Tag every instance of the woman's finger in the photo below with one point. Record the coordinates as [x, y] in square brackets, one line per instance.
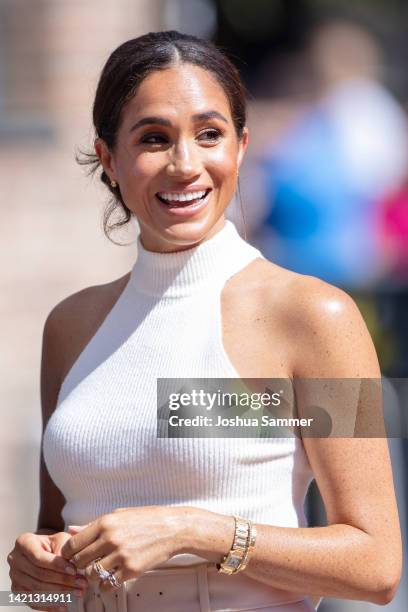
[74, 529]
[19, 562]
[51, 576]
[81, 540]
[43, 558]
[94, 551]
[31, 584]
[122, 567]
[109, 563]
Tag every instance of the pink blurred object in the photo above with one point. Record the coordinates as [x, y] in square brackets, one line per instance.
[395, 230]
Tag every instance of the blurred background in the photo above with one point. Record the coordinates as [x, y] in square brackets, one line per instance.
[323, 191]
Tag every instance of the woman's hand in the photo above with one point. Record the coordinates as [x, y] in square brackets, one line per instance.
[128, 541]
[36, 565]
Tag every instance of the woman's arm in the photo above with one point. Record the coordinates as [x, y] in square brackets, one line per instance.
[358, 555]
[51, 498]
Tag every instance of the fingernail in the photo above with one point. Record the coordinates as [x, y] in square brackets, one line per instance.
[70, 570]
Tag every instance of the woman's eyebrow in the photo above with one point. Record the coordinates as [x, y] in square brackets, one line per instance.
[150, 121]
[212, 114]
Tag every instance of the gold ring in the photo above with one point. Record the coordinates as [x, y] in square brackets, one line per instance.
[100, 570]
[114, 581]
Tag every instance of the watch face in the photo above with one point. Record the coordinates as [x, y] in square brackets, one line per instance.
[234, 562]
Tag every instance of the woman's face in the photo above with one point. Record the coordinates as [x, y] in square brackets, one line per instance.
[176, 141]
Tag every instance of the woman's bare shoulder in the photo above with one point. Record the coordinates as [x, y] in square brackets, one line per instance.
[299, 295]
[74, 320]
[87, 301]
[302, 298]
[321, 321]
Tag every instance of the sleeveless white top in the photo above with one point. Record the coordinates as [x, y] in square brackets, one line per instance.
[100, 444]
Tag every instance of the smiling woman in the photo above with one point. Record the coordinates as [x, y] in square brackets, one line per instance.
[175, 131]
[130, 520]
[190, 112]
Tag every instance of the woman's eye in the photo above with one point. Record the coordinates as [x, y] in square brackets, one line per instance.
[153, 139]
[210, 135]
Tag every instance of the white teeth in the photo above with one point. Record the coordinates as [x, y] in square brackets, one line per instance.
[182, 197]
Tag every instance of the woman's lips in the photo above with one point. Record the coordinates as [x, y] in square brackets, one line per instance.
[184, 209]
[183, 197]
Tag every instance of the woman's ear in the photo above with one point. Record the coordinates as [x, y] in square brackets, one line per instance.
[105, 157]
[243, 144]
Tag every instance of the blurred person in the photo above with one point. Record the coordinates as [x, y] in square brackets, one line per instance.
[135, 522]
[393, 297]
[395, 233]
[327, 177]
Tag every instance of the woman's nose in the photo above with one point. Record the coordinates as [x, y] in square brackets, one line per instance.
[184, 161]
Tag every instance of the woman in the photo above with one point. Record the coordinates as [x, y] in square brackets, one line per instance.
[151, 520]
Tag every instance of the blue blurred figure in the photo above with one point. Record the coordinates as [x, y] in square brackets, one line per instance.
[327, 177]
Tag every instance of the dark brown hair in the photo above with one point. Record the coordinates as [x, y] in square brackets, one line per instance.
[124, 71]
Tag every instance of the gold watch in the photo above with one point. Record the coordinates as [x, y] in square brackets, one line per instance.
[244, 540]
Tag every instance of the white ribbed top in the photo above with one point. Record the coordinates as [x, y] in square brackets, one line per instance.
[100, 444]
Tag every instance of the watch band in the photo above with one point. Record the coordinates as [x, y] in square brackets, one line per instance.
[251, 546]
[242, 547]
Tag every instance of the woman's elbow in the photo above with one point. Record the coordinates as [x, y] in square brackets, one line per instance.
[386, 594]
[380, 567]
[386, 582]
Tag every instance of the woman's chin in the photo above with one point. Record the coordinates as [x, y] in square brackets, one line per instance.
[186, 235]
[183, 233]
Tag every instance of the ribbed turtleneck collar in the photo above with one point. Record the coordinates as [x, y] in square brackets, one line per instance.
[183, 273]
